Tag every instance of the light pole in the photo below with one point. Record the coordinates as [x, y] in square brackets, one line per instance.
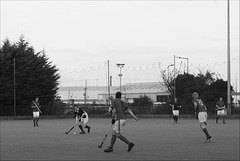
[228, 61]
[120, 74]
[175, 72]
[174, 89]
[14, 84]
[183, 58]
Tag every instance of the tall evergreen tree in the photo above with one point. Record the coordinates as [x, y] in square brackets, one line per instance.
[35, 75]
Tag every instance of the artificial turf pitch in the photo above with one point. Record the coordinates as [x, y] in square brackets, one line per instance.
[155, 139]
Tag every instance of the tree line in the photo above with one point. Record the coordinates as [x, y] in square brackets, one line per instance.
[34, 75]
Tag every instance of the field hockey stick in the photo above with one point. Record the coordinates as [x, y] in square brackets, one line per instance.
[37, 107]
[104, 138]
[71, 128]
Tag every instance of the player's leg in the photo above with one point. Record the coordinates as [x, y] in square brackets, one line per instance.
[34, 118]
[224, 119]
[81, 125]
[217, 117]
[177, 114]
[34, 121]
[202, 119]
[37, 118]
[113, 140]
[223, 116]
[85, 120]
[121, 137]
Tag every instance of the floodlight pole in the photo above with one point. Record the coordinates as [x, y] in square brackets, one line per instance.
[14, 84]
[228, 61]
[183, 58]
[174, 95]
[120, 75]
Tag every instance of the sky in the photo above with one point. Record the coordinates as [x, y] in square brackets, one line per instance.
[79, 37]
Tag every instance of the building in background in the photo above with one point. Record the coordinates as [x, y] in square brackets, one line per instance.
[99, 94]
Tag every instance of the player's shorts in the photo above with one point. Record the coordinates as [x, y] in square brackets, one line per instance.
[119, 125]
[36, 114]
[221, 112]
[202, 117]
[175, 112]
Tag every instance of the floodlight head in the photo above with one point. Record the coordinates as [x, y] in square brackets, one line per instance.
[120, 65]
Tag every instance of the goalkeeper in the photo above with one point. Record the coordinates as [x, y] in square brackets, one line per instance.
[81, 119]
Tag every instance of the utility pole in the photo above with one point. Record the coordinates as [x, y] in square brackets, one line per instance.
[108, 102]
[85, 94]
[174, 95]
[14, 84]
[228, 61]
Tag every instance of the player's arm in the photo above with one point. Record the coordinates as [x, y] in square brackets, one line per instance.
[113, 115]
[131, 113]
[195, 107]
[76, 119]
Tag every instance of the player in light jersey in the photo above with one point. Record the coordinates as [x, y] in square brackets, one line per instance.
[119, 120]
[201, 110]
[220, 110]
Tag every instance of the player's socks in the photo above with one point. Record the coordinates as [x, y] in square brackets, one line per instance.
[34, 122]
[176, 119]
[88, 127]
[37, 121]
[81, 128]
[206, 133]
[125, 140]
[224, 120]
[113, 140]
[216, 120]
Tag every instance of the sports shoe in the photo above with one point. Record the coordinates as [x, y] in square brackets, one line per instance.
[82, 132]
[209, 139]
[130, 146]
[108, 150]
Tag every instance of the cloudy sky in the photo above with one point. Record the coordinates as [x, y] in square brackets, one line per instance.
[80, 36]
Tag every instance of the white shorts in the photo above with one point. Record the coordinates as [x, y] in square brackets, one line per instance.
[221, 112]
[175, 112]
[202, 117]
[36, 114]
[119, 125]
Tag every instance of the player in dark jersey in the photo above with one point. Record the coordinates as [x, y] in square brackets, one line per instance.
[220, 110]
[201, 110]
[175, 108]
[119, 120]
[36, 111]
[81, 119]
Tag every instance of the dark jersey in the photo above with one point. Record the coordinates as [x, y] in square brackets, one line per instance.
[176, 106]
[120, 107]
[199, 106]
[79, 112]
[220, 105]
[34, 106]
